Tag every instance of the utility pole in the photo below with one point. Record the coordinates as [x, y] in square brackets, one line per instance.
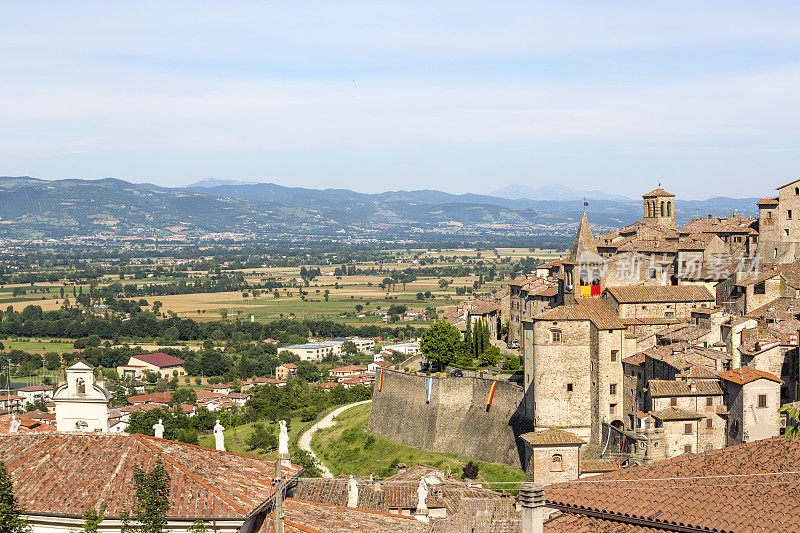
[279, 492]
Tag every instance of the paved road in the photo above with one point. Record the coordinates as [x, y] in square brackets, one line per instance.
[305, 439]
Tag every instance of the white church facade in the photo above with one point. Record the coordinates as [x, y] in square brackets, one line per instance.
[81, 402]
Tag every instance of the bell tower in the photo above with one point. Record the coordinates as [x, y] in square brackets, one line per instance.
[659, 208]
[81, 402]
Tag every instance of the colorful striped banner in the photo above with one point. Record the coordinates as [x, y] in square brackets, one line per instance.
[380, 382]
[428, 393]
[491, 396]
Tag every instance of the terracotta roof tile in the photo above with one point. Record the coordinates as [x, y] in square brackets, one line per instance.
[551, 437]
[591, 309]
[718, 490]
[674, 413]
[159, 359]
[660, 388]
[661, 293]
[746, 374]
[58, 474]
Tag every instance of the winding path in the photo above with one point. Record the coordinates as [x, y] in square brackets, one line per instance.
[305, 439]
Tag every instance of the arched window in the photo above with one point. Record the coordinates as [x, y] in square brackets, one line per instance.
[595, 277]
[584, 277]
[557, 463]
[734, 428]
[662, 209]
[647, 209]
[797, 191]
[669, 209]
[80, 386]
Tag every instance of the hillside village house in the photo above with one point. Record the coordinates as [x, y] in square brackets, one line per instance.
[312, 351]
[34, 393]
[285, 371]
[162, 364]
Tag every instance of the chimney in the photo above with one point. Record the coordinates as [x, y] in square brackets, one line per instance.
[531, 498]
[692, 386]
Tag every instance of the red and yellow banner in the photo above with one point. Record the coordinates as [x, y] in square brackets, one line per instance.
[491, 395]
[380, 381]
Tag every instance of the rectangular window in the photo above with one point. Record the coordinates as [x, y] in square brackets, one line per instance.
[760, 288]
[569, 387]
[669, 314]
[789, 214]
[555, 335]
[709, 401]
[613, 388]
[687, 428]
[709, 423]
[762, 400]
[614, 355]
[687, 448]
[612, 409]
[673, 402]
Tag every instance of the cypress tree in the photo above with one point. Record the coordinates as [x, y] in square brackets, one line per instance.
[11, 520]
[484, 337]
[468, 336]
[476, 341]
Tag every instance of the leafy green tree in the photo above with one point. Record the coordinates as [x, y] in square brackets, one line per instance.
[792, 421]
[349, 347]
[152, 498]
[511, 362]
[261, 439]
[441, 343]
[92, 519]
[490, 356]
[468, 337]
[11, 520]
[470, 471]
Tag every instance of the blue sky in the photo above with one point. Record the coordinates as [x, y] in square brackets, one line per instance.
[458, 96]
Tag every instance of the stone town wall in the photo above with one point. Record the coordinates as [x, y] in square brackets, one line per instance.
[455, 421]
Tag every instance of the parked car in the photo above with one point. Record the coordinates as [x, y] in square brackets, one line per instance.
[513, 344]
[457, 373]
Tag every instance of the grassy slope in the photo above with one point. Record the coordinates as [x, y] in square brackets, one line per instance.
[367, 454]
[234, 437]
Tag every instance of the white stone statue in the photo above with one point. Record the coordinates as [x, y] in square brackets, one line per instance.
[283, 439]
[15, 423]
[159, 429]
[422, 495]
[352, 492]
[219, 438]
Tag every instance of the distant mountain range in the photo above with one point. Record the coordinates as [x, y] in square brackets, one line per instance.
[559, 193]
[32, 208]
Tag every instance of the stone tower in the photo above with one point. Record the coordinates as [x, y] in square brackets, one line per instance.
[659, 208]
[81, 402]
[584, 267]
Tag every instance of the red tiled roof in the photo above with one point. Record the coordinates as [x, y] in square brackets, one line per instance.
[349, 368]
[290, 366]
[207, 394]
[155, 397]
[657, 192]
[551, 437]
[674, 413]
[660, 388]
[768, 201]
[159, 359]
[661, 293]
[746, 374]
[302, 516]
[729, 489]
[35, 388]
[594, 310]
[61, 473]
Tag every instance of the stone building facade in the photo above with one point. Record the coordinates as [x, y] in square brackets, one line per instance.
[779, 225]
[573, 368]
